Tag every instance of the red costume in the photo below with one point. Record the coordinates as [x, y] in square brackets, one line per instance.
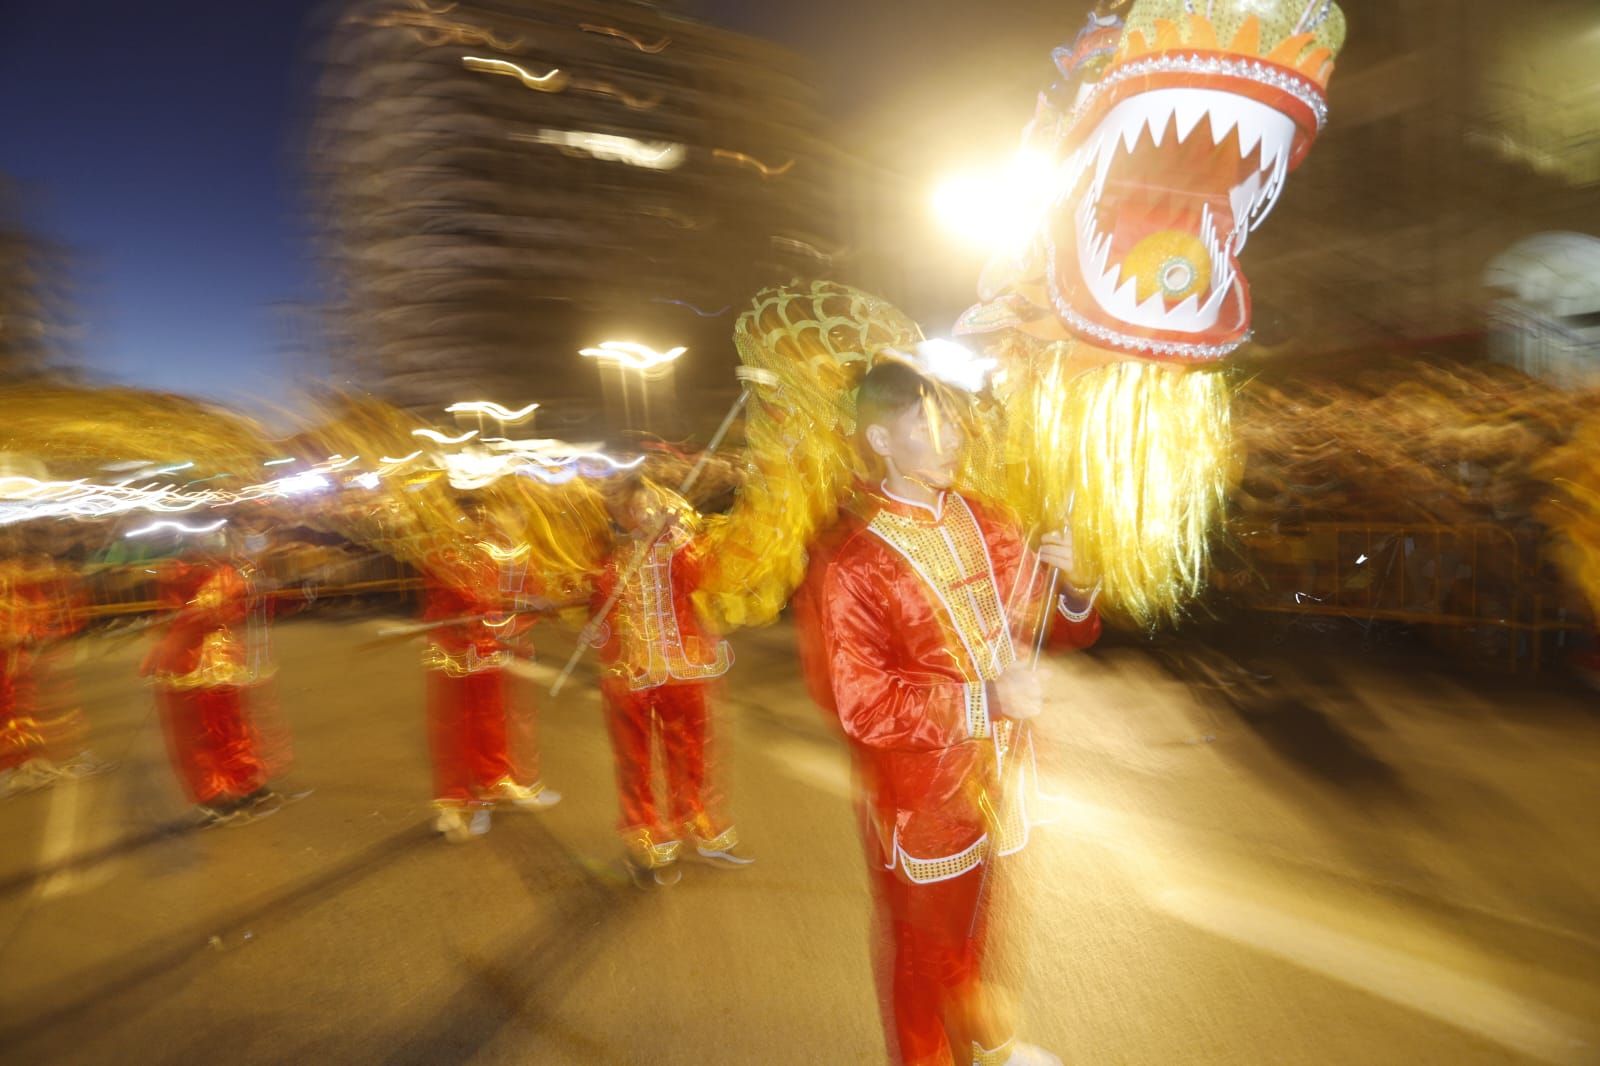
[203, 666]
[909, 615]
[480, 746]
[36, 610]
[659, 659]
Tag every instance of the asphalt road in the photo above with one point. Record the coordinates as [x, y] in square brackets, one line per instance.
[1349, 863]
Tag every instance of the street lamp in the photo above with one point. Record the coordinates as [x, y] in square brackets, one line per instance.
[644, 362]
[503, 415]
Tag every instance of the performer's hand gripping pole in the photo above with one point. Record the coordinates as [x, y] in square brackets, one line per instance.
[749, 377]
[1047, 611]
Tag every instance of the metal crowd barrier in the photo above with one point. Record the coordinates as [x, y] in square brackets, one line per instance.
[1472, 576]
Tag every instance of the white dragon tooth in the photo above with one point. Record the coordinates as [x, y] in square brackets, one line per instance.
[1102, 164]
[1213, 306]
[1105, 284]
[1132, 127]
[1153, 312]
[1123, 301]
[1269, 197]
[1241, 198]
[1191, 108]
[1186, 316]
[1250, 131]
[1157, 114]
[1276, 139]
[1222, 120]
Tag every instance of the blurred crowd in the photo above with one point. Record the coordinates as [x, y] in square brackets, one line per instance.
[1434, 492]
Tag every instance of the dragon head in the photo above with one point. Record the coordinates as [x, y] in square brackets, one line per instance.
[1170, 133]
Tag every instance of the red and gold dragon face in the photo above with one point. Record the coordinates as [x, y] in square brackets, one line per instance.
[1170, 134]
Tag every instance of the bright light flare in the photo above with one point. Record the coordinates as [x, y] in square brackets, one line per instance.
[612, 148]
[299, 484]
[631, 355]
[493, 410]
[178, 527]
[439, 438]
[998, 210]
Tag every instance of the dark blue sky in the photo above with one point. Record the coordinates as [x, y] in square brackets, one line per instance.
[159, 144]
[155, 143]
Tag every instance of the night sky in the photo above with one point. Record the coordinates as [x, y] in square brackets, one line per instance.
[160, 150]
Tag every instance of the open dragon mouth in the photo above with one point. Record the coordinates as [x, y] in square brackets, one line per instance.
[1184, 155]
[1168, 188]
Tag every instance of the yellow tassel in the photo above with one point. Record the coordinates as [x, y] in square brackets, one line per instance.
[1142, 454]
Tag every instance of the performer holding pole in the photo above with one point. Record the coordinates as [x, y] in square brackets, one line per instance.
[749, 378]
[907, 637]
[473, 595]
[206, 679]
[660, 661]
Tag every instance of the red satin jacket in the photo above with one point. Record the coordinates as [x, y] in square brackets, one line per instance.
[908, 615]
[465, 583]
[209, 601]
[654, 635]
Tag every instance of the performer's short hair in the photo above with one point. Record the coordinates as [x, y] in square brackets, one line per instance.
[888, 390]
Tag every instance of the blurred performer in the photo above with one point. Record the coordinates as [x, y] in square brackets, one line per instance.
[914, 632]
[37, 612]
[474, 589]
[208, 666]
[660, 659]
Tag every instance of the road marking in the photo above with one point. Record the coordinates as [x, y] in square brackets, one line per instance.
[826, 769]
[1443, 992]
[56, 846]
[1204, 895]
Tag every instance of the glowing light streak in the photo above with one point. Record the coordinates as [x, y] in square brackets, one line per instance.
[429, 29]
[503, 555]
[170, 469]
[475, 469]
[369, 480]
[492, 409]
[637, 42]
[631, 355]
[629, 100]
[742, 159]
[26, 498]
[156, 527]
[553, 81]
[439, 438]
[807, 248]
[403, 459]
[278, 462]
[299, 484]
[685, 303]
[652, 155]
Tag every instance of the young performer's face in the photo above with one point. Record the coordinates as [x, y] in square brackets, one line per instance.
[633, 513]
[922, 443]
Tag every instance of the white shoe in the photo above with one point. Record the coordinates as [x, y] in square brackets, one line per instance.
[479, 823]
[534, 797]
[723, 857]
[454, 827]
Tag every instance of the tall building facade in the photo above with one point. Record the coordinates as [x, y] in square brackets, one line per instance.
[504, 182]
[33, 300]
